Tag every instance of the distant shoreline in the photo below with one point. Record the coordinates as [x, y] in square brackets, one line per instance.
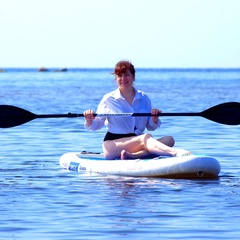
[52, 69]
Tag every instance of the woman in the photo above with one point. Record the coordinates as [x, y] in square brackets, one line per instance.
[125, 138]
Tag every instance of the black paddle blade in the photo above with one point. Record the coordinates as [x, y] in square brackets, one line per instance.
[225, 113]
[11, 116]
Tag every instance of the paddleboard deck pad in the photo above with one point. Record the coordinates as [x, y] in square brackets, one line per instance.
[185, 167]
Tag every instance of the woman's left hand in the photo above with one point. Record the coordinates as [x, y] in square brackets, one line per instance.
[155, 111]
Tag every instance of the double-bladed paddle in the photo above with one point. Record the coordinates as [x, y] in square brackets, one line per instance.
[225, 113]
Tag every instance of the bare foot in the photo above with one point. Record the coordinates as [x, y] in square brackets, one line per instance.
[126, 155]
[182, 152]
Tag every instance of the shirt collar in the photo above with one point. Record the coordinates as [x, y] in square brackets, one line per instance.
[118, 95]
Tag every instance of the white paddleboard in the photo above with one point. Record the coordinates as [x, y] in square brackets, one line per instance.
[188, 167]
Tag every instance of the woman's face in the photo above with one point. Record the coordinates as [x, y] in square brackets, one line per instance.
[125, 80]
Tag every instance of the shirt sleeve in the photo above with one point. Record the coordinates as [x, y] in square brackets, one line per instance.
[151, 126]
[98, 122]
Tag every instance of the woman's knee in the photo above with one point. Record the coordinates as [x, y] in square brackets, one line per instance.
[167, 140]
[170, 141]
[108, 155]
[145, 137]
[108, 150]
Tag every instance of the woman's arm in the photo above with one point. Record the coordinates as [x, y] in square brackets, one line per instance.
[92, 123]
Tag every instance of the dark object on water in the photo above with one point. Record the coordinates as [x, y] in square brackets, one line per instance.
[61, 70]
[42, 69]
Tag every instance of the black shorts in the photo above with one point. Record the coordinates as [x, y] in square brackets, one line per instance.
[113, 136]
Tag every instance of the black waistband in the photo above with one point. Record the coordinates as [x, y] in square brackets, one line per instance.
[113, 136]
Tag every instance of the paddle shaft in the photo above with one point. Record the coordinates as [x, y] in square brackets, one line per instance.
[73, 115]
[225, 113]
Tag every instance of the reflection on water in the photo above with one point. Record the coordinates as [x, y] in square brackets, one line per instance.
[40, 199]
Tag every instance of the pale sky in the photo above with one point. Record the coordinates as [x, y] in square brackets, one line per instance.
[98, 33]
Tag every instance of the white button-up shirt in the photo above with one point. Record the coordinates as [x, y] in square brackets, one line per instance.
[114, 102]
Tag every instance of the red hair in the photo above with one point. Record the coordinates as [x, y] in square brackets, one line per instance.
[123, 66]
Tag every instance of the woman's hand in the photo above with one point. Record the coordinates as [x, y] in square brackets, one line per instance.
[155, 111]
[88, 114]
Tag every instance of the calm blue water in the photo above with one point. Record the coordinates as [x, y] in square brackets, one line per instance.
[39, 200]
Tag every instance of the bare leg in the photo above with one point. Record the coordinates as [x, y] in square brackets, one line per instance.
[132, 147]
[126, 148]
[128, 155]
[137, 147]
[156, 147]
[167, 140]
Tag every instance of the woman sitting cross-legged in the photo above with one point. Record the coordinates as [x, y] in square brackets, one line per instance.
[125, 137]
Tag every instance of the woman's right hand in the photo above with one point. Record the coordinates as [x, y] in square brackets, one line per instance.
[89, 116]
